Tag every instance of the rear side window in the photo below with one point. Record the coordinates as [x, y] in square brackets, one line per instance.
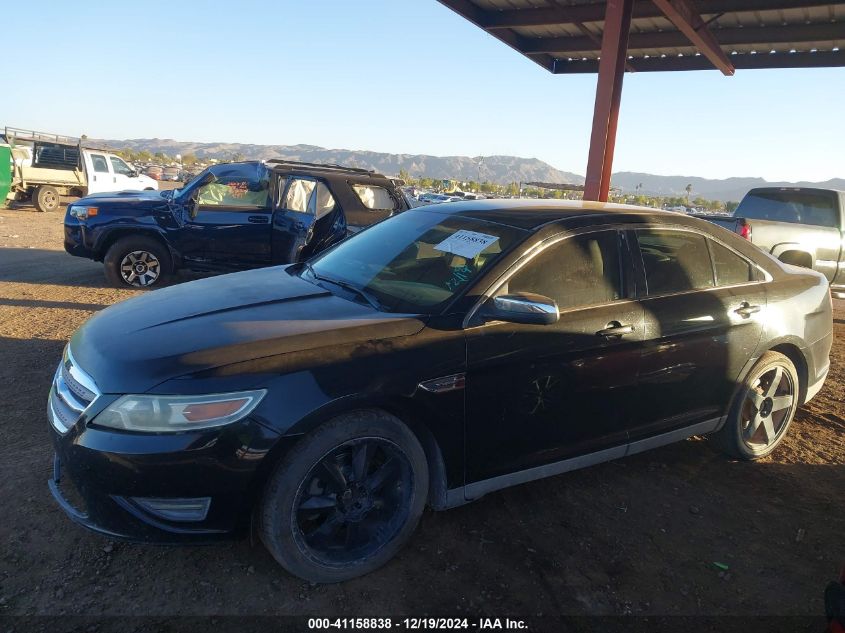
[99, 163]
[729, 267]
[578, 271]
[374, 197]
[309, 196]
[800, 207]
[674, 261]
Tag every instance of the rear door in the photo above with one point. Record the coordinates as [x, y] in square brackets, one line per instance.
[100, 176]
[703, 304]
[307, 219]
[232, 224]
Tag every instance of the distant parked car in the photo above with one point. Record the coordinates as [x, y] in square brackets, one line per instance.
[155, 172]
[170, 173]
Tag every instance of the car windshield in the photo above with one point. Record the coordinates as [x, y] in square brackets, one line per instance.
[417, 261]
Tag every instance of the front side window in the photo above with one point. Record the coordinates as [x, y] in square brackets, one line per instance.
[99, 164]
[800, 207]
[730, 268]
[120, 167]
[374, 197]
[579, 271]
[674, 261]
[240, 185]
[417, 261]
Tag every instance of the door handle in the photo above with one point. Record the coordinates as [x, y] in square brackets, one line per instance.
[745, 309]
[257, 219]
[615, 329]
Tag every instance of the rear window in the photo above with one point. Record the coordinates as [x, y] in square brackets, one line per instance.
[374, 197]
[799, 207]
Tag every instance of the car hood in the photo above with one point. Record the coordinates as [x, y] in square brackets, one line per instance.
[135, 345]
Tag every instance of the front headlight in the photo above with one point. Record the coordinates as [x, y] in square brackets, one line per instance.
[170, 414]
[81, 212]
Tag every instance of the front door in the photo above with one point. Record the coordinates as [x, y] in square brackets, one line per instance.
[100, 177]
[122, 174]
[702, 303]
[537, 395]
[231, 227]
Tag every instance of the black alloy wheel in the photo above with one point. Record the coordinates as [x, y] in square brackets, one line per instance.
[345, 498]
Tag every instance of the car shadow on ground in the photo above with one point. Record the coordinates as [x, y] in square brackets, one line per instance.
[53, 267]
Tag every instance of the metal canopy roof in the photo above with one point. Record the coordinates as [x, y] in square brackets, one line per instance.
[565, 36]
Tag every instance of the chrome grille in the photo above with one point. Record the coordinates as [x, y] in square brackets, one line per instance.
[73, 391]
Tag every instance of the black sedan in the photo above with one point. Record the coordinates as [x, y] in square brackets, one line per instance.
[432, 358]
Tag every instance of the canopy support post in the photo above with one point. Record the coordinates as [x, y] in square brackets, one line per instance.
[614, 52]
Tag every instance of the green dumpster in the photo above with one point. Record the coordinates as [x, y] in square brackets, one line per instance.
[5, 172]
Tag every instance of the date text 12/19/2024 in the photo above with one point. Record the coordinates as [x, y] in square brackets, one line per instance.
[413, 624]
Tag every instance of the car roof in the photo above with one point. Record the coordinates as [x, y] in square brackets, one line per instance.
[531, 214]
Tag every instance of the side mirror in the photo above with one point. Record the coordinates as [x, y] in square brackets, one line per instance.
[133, 174]
[522, 307]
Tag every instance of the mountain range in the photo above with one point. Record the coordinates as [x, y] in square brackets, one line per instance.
[498, 169]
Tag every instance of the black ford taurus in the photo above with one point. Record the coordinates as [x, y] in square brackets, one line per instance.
[435, 357]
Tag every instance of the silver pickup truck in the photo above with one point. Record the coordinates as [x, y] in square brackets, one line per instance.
[798, 225]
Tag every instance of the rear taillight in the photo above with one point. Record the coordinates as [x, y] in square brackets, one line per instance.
[745, 230]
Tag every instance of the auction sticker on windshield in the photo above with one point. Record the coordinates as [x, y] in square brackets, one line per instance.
[465, 243]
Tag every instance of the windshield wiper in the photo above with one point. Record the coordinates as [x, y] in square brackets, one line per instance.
[369, 298]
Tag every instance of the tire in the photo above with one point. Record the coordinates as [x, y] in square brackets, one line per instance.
[46, 198]
[755, 425]
[325, 522]
[137, 262]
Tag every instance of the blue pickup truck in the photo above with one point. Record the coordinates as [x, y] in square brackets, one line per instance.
[230, 217]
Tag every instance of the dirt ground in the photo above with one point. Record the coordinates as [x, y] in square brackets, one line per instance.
[638, 535]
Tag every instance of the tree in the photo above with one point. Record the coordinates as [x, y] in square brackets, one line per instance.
[189, 159]
[731, 206]
[688, 189]
[237, 157]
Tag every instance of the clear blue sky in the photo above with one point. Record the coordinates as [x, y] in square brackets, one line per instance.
[392, 75]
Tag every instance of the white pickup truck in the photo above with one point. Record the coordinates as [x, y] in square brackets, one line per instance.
[48, 166]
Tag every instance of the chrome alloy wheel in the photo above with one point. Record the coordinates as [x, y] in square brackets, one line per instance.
[767, 408]
[140, 268]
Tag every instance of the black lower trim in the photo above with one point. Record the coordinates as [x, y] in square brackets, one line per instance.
[477, 489]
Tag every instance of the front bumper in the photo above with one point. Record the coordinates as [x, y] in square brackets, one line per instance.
[75, 242]
[102, 480]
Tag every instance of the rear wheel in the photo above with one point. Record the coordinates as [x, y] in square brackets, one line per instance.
[763, 408]
[46, 198]
[137, 262]
[346, 498]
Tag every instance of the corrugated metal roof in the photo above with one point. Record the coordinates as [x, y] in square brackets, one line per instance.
[565, 35]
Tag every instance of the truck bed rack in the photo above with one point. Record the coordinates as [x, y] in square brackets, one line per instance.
[321, 166]
[14, 134]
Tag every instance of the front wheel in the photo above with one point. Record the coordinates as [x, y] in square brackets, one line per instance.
[763, 409]
[137, 262]
[346, 498]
